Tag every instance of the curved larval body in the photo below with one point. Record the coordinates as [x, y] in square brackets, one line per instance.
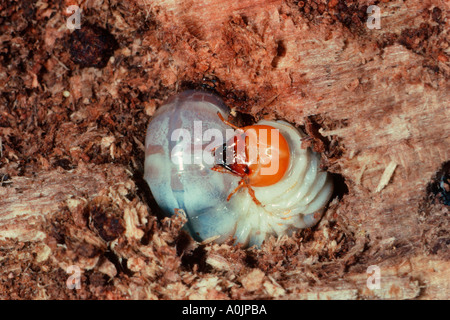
[181, 143]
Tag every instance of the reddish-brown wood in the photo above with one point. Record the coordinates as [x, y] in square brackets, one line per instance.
[375, 101]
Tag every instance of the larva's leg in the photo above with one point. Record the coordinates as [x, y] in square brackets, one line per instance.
[243, 183]
[252, 194]
[240, 185]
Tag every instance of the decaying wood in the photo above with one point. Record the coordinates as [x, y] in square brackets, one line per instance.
[375, 101]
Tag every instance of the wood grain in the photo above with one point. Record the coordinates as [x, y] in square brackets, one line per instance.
[379, 98]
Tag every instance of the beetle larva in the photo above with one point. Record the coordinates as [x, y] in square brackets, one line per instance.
[186, 141]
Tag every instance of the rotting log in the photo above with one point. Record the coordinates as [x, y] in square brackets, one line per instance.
[375, 101]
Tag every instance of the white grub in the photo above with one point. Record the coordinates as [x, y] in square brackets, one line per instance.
[296, 201]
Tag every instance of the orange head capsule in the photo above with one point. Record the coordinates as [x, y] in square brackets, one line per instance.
[267, 155]
[259, 155]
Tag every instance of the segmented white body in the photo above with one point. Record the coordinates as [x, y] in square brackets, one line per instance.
[296, 201]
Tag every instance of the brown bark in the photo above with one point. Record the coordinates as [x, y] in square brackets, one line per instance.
[374, 100]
